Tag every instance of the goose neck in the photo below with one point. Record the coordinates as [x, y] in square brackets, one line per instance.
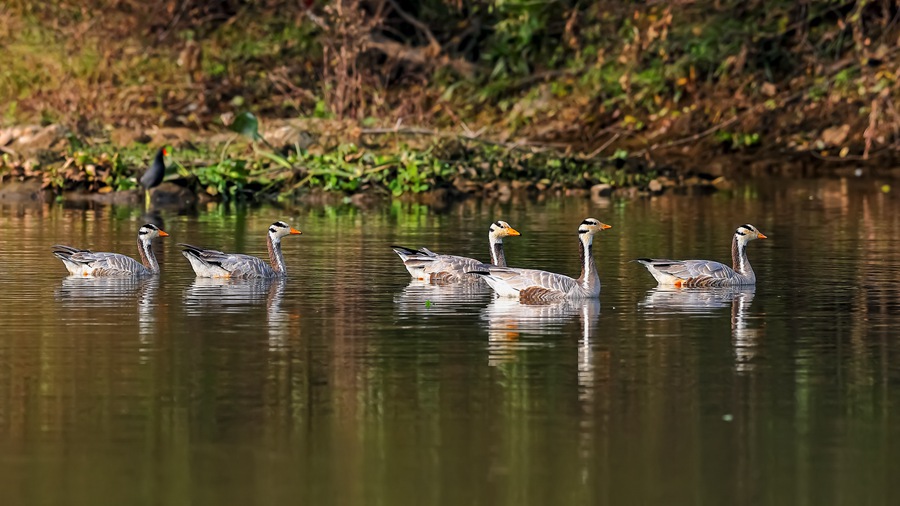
[498, 258]
[148, 259]
[589, 278]
[276, 258]
[740, 262]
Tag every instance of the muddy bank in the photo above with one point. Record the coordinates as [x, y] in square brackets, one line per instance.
[314, 163]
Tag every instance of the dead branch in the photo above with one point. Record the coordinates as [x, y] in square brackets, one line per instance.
[432, 40]
[512, 146]
[429, 56]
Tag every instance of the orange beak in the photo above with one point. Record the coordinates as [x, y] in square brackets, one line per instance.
[294, 231]
[163, 234]
[513, 232]
[759, 235]
[604, 226]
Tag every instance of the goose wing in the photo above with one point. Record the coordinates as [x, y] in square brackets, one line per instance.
[689, 270]
[428, 265]
[246, 266]
[233, 264]
[450, 267]
[86, 262]
[527, 283]
[414, 258]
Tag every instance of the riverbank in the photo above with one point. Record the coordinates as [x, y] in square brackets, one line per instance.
[331, 161]
[447, 99]
[311, 160]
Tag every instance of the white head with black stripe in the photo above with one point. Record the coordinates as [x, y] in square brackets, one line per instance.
[746, 233]
[150, 231]
[589, 227]
[501, 229]
[280, 229]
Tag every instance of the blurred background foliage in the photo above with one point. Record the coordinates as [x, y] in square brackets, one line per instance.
[598, 75]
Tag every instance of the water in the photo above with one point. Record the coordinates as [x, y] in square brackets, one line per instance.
[347, 384]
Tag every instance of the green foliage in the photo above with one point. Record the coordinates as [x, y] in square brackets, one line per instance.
[226, 179]
[512, 46]
[89, 169]
[567, 72]
[737, 140]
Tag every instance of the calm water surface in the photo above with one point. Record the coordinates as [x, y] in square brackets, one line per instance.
[347, 384]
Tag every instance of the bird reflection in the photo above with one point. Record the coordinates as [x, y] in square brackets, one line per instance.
[276, 318]
[153, 216]
[225, 295]
[694, 300]
[709, 301]
[236, 296]
[113, 293]
[743, 337]
[422, 299]
[508, 320]
[106, 291]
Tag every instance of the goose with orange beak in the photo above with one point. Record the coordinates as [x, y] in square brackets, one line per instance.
[86, 263]
[426, 265]
[536, 286]
[210, 263]
[707, 273]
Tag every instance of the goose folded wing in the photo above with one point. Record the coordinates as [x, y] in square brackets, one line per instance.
[522, 279]
[693, 269]
[243, 265]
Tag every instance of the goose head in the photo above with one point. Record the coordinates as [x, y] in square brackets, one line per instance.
[280, 229]
[591, 226]
[746, 233]
[150, 231]
[501, 229]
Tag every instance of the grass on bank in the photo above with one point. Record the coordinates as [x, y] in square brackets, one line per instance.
[249, 171]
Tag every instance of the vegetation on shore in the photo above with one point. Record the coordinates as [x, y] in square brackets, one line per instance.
[433, 94]
[241, 169]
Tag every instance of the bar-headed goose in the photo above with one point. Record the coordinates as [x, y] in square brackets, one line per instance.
[210, 263]
[82, 262]
[701, 273]
[532, 285]
[427, 265]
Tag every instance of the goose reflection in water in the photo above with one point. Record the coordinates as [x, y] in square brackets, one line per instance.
[112, 294]
[421, 299]
[511, 327]
[239, 296]
[708, 301]
[509, 320]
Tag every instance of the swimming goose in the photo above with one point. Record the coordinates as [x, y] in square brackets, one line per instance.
[427, 265]
[531, 285]
[209, 263]
[82, 262]
[702, 273]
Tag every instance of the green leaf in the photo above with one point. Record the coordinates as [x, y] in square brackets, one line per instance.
[247, 125]
[275, 157]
